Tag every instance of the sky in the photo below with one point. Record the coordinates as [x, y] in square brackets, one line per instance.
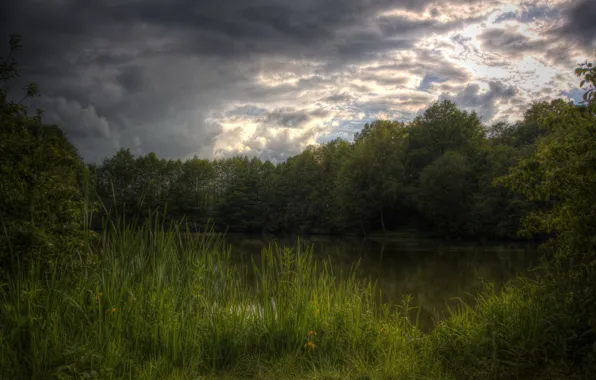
[267, 78]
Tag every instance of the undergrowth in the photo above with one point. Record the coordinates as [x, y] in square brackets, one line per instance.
[165, 303]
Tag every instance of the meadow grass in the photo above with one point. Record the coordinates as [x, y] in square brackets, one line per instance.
[164, 303]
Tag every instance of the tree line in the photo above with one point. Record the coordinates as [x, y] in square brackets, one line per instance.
[435, 173]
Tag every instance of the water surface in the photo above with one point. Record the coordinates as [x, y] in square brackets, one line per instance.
[434, 273]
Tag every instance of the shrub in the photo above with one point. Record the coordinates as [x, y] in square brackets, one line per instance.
[41, 202]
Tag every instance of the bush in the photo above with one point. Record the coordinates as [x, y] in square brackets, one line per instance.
[41, 203]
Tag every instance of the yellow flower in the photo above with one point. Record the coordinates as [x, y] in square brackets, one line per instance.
[311, 333]
[310, 345]
[382, 330]
[112, 310]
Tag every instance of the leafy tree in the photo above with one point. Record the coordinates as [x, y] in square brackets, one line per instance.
[563, 171]
[587, 70]
[444, 192]
[116, 184]
[240, 207]
[442, 128]
[372, 180]
[190, 193]
[41, 204]
[494, 211]
[332, 157]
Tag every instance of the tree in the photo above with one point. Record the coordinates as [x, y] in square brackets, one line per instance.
[190, 193]
[444, 192]
[240, 207]
[372, 180]
[116, 184]
[587, 70]
[442, 127]
[41, 203]
[563, 171]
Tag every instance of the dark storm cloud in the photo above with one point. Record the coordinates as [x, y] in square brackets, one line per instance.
[428, 80]
[146, 74]
[151, 74]
[529, 13]
[514, 44]
[131, 78]
[425, 63]
[509, 42]
[485, 103]
[405, 104]
[199, 26]
[290, 117]
[69, 113]
[338, 98]
[384, 80]
[580, 23]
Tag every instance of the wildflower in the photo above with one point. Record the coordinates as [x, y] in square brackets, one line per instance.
[310, 345]
[112, 310]
[98, 296]
[311, 333]
[382, 330]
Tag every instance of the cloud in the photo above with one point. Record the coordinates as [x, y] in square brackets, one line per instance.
[529, 12]
[338, 98]
[579, 23]
[428, 80]
[70, 112]
[510, 42]
[291, 117]
[422, 63]
[484, 103]
[268, 77]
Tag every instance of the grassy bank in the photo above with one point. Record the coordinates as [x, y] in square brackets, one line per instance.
[169, 304]
[152, 303]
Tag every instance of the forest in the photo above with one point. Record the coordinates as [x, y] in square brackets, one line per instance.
[103, 273]
[435, 173]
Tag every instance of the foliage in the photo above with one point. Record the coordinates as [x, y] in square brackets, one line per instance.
[371, 184]
[563, 171]
[533, 329]
[41, 202]
[587, 70]
[169, 303]
[372, 180]
[444, 192]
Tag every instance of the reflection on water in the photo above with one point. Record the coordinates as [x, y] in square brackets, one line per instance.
[434, 273]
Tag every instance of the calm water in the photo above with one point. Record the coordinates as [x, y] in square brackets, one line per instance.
[434, 273]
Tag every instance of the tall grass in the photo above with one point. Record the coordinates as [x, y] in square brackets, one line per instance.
[166, 303]
[543, 328]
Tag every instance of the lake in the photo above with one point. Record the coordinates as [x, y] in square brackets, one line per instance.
[434, 273]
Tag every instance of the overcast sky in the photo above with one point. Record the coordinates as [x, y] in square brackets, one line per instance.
[269, 77]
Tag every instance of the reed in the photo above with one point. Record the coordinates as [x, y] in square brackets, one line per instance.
[155, 302]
